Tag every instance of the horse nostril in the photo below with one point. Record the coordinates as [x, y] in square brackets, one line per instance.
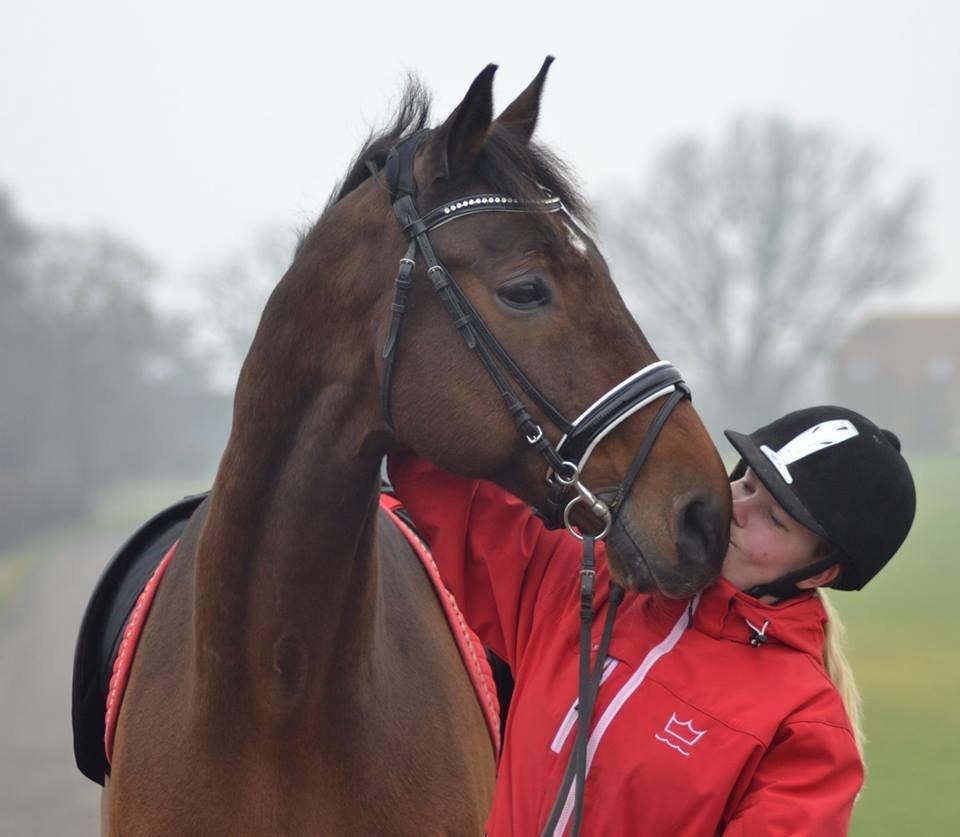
[700, 530]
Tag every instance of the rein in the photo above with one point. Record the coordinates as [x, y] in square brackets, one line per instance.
[566, 460]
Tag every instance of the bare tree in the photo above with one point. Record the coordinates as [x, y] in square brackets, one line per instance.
[237, 288]
[97, 385]
[114, 366]
[753, 255]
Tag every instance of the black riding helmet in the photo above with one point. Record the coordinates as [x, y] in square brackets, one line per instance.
[839, 475]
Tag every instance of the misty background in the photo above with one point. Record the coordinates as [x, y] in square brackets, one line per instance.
[775, 187]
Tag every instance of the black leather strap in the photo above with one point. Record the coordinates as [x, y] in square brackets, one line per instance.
[513, 369]
[785, 587]
[403, 285]
[587, 696]
[398, 169]
[615, 405]
[653, 433]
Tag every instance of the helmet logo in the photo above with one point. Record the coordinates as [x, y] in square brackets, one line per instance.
[823, 435]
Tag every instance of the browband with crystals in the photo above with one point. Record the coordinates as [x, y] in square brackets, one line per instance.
[487, 203]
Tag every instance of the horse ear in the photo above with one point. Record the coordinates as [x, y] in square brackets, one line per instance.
[459, 139]
[521, 115]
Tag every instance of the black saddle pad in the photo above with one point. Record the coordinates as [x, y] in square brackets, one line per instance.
[103, 623]
[106, 616]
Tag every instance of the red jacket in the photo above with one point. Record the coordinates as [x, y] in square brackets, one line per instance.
[695, 731]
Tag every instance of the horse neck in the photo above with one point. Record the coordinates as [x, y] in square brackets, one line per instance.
[286, 565]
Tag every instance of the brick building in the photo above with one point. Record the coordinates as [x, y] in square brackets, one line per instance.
[903, 371]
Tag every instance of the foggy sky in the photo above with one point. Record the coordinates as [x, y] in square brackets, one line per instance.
[185, 127]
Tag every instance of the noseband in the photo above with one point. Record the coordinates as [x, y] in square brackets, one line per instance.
[566, 460]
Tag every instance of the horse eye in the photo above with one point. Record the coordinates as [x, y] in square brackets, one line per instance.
[526, 293]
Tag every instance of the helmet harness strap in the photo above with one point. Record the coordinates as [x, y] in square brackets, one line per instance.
[785, 587]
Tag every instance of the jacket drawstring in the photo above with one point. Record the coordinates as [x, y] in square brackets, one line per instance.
[758, 636]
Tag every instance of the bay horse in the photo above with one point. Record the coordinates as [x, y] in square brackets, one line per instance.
[296, 674]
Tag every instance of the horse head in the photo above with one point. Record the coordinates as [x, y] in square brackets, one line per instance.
[527, 272]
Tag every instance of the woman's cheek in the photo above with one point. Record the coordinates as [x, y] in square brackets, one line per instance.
[764, 553]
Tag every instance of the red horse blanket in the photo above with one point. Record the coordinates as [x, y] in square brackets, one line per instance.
[471, 649]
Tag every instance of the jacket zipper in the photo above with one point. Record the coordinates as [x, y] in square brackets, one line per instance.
[664, 647]
[571, 717]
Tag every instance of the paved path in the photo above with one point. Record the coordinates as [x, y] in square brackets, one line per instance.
[41, 791]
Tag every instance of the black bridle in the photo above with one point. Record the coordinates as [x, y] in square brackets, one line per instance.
[566, 460]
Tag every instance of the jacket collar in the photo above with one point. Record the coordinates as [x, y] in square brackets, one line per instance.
[722, 611]
[725, 612]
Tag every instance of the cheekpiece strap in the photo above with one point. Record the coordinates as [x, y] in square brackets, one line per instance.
[398, 175]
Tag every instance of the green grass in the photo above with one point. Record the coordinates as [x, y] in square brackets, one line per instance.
[903, 629]
[128, 505]
[17, 563]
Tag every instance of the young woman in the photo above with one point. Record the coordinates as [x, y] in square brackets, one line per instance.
[717, 714]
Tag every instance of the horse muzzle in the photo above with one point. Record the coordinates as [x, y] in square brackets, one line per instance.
[678, 556]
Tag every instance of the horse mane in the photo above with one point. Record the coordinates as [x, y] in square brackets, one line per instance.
[411, 115]
[510, 165]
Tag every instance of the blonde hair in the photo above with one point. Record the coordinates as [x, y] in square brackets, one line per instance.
[839, 670]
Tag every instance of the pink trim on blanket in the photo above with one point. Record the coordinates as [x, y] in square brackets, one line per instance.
[128, 646]
[471, 649]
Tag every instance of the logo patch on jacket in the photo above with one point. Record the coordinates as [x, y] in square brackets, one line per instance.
[680, 735]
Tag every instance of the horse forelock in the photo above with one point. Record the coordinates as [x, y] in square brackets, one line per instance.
[507, 164]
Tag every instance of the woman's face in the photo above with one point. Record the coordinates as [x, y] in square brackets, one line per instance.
[765, 542]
